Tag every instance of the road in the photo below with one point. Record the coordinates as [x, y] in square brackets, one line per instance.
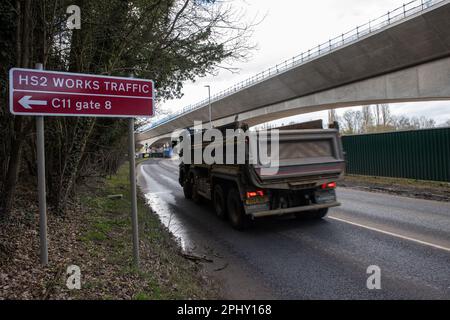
[284, 258]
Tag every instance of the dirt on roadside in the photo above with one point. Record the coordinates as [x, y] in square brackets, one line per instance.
[429, 190]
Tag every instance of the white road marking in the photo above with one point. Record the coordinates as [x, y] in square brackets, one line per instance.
[392, 234]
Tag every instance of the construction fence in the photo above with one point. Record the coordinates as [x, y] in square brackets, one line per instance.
[417, 154]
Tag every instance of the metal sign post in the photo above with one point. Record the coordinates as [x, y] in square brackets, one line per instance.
[40, 145]
[134, 215]
[134, 211]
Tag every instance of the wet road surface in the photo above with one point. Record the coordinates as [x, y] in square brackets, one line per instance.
[284, 258]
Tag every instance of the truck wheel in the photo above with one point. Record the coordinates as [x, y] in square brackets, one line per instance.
[315, 215]
[219, 202]
[238, 219]
[318, 214]
[187, 188]
[196, 197]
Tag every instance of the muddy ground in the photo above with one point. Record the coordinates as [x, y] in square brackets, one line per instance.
[429, 190]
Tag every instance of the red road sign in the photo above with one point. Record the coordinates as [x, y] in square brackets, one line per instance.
[50, 93]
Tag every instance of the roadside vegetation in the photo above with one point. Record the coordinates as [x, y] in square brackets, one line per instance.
[169, 42]
[95, 235]
[379, 118]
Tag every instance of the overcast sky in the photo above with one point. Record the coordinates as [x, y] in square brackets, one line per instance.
[291, 27]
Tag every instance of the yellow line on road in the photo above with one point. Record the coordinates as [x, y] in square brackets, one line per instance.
[392, 234]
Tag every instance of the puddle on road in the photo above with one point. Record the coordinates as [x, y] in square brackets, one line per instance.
[171, 221]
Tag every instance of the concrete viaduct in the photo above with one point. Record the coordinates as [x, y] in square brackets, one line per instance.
[406, 60]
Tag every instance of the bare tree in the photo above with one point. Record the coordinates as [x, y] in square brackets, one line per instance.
[415, 123]
[367, 118]
[332, 116]
[385, 113]
[352, 121]
[383, 120]
[377, 113]
[402, 123]
[426, 123]
[16, 128]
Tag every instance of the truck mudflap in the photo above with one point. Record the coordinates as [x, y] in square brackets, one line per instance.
[280, 212]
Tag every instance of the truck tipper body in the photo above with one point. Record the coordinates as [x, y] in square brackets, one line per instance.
[302, 183]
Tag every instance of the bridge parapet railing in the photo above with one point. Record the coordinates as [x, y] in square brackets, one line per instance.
[392, 17]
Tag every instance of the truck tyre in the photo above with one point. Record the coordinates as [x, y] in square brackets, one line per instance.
[236, 214]
[219, 202]
[314, 215]
[187, 189]
[318, 214]
[196, 197]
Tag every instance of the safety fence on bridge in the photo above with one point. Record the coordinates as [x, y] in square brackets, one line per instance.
[417, 154]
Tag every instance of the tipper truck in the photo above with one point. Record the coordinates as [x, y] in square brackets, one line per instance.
[311, 161]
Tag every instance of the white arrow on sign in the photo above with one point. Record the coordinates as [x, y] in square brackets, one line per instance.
[26, 102]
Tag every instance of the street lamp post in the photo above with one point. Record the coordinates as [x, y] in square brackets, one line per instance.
[209, 101]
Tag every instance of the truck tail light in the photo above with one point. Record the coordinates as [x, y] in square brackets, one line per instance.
[254, 194]
[330, 185]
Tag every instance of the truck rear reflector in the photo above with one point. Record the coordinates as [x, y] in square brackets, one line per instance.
[254, 194]
[331, 185]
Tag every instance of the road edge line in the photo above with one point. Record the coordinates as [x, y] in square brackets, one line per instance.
[436, 246]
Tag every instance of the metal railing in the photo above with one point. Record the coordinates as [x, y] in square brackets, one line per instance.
[399, 14]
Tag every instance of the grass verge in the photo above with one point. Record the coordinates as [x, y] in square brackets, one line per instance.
[95, 235]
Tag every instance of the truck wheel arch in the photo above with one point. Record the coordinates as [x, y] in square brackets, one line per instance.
[227, 182]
